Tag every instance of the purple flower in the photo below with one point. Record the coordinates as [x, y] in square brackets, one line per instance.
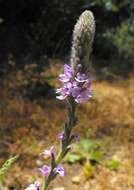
[76, 91]
[82, 93]
[77, 85]
[81, 77]
[64, 91]
[50, 152]
[59, 170]
[61, 136]
[34, 186]
[68, 73]
[83, 96]
[45, 170]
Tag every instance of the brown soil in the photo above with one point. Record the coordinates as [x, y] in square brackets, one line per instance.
[28, 126]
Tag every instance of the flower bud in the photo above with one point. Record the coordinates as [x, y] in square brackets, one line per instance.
[83, 36]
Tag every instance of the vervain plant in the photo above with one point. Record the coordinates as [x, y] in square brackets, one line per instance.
[75, 88]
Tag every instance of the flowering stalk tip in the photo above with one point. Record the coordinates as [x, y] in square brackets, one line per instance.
[83, 36]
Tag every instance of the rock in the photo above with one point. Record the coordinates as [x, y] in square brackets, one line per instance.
[86, 186]
[76, 179]
[59, 188]
[39, 162]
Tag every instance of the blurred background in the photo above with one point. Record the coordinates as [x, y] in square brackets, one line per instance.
[37, 30]
[35, 42]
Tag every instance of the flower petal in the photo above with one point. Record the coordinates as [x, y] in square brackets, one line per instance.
[60, 170]
[45, 170]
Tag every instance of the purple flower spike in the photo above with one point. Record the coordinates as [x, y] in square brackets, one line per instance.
[34, 186]
[50, 152]
[60, 170]
[61, 136]
[76, 84]
[45, 170]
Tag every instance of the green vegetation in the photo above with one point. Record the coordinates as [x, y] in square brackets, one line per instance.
[113, 164]
[4, 168]
[86, 150]
[90, 153]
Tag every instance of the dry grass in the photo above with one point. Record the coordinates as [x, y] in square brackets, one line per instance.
[27, 126]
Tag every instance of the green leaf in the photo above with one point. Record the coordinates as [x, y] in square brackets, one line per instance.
[113, 164]
[96, 156]
[7, 165]
[73, 158]
[115, 8]
[89, 145]
[85, 150]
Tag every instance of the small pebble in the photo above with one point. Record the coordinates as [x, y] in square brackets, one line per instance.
[59, 188]
[76, 179]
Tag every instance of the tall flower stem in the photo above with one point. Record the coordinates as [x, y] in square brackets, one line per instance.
[75, 88]
[67, 139]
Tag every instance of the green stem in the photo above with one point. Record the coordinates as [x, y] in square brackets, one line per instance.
[46, 187]
[67, 131]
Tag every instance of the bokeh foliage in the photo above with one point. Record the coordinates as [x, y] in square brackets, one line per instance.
[32, 30]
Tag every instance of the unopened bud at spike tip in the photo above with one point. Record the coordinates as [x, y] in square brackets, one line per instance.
[83, 36]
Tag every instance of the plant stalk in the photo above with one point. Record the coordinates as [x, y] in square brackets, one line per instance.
[67, 131]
